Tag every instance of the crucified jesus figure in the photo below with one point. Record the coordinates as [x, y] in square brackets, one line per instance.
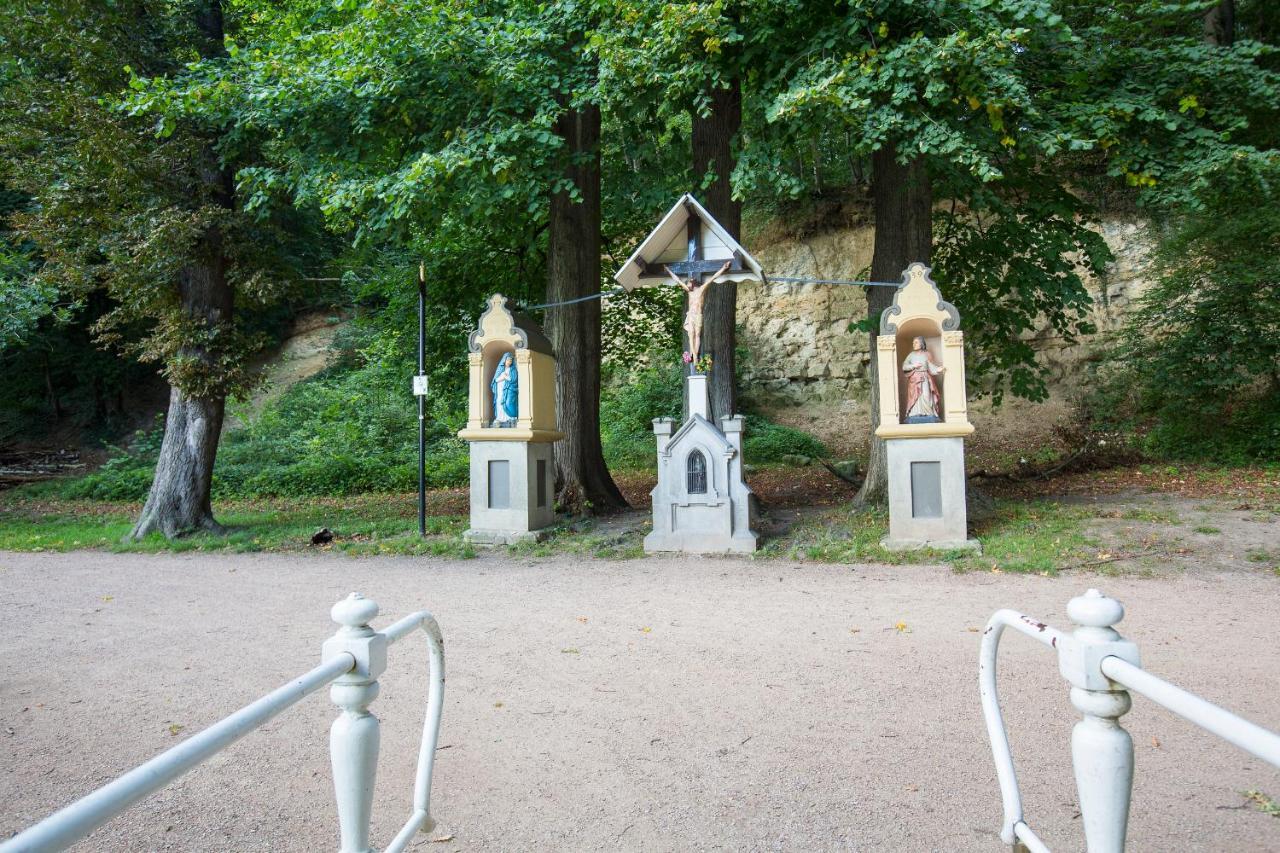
[697, 297]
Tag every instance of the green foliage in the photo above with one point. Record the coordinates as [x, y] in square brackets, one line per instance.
[637, 324]
[631, 399]
[767, 442]
[116, 206]
[634, 397]
[350, 430]
[1197, 367]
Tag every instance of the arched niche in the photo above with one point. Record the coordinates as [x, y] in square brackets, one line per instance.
[491, 354]
[498, 332]
[696, 472]
[931, 331]
[918, 309]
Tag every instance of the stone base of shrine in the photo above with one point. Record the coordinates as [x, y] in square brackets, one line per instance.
[502, 537]
[512, 492]
[934, 545]
[927, 504]
[701, 542]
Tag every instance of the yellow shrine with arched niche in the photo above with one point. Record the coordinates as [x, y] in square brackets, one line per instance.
[512, 466]
[498, 333]
[924, 426]
[918, 310]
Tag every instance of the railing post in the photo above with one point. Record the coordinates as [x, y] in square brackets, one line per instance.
[354, 736]
[1101, 750]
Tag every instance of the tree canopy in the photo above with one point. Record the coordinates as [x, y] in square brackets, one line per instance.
[275, 144]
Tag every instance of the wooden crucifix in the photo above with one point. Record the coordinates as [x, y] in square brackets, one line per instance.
[699, 274]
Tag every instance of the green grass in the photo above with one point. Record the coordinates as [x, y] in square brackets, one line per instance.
[1263, 803]
[1021, 537]
[585, 539]
[1039, 537]
[1151, 514]
[369, 524]
[1207, 529]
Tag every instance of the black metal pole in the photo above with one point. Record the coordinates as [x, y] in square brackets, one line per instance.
[422, 403]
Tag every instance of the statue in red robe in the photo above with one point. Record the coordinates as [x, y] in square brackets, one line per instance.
[923, 398]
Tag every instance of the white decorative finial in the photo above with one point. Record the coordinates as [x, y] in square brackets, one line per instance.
[1095, 610]
[354, 612]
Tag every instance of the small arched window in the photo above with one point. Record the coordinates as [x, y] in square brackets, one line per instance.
[696, 466]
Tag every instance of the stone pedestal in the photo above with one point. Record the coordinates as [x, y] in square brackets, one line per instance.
[701, 504]
[927, 494]
[512, 491]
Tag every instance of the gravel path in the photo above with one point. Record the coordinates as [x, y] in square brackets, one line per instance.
[658, 704]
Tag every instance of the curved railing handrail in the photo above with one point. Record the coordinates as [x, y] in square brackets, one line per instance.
[72, 823]
[1103, 668]
[1234, 729]
[355, 672]
[420, 820]
[1015, 828]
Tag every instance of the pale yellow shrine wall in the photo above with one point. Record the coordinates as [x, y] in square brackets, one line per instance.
[953, 381]
[886, 367]
[535, 393]
[920, 316]
[475, 391]
[543, 388]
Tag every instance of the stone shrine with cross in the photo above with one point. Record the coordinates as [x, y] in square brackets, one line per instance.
[701, 503]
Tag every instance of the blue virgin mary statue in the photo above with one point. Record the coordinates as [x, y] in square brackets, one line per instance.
[505, 392]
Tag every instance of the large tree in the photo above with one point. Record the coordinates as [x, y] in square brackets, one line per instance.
[981, 121]
[573, 273]
[482, 114]
[180, 499]
[147, 217]
[903, 208]
[713, 137]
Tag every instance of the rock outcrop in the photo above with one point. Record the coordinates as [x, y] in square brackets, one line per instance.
[802, 354]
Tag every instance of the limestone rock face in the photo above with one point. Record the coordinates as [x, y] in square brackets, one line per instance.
[802, 354]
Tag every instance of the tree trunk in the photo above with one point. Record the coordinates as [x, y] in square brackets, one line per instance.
[903, 202]
[1220, 24]
[54, 402]
[180, 498]
[583, 483]
[713, 151]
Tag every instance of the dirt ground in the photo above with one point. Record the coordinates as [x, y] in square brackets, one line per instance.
[657, 704]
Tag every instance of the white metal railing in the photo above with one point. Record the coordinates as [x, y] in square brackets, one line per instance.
[1102, 668]
[351, 661]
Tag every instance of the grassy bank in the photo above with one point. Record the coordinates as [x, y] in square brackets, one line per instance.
[1040, 537]
[365, 524]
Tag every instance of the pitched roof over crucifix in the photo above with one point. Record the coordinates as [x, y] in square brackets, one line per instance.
[690, 242]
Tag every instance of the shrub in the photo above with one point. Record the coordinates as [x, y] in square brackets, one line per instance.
[632, 399]
[1195, 368]
[353, 429]
[770, 442]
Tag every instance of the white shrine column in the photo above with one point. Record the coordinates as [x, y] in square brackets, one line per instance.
[698, 400]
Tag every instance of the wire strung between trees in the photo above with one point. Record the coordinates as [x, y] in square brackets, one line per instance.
[772, 278]
[613, 292]
[768, 280]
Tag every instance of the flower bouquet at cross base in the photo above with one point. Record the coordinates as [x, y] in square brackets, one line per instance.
[702, 364]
